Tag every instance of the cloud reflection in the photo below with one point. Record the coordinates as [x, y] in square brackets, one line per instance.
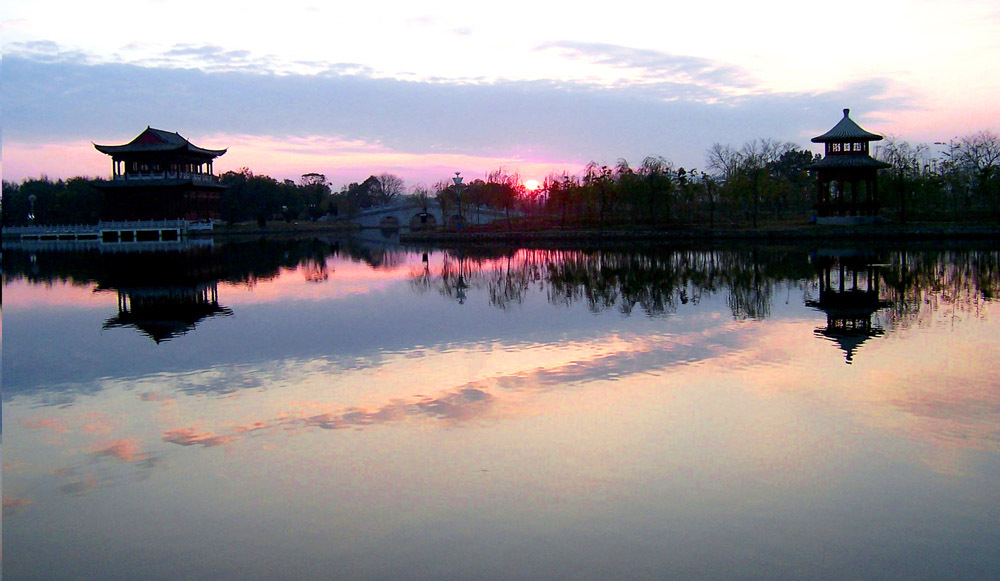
[79, 487]
[127, 450]
[13, 505]
[452, 407]
[193, 437]
[480, 398]
[461, 405]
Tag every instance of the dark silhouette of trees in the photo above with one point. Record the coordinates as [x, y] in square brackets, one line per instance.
[764, 175]
[374, 191]
[259, 197]
[422, 196]
[316, 193]
[904, 176]
[764, 179]
[975, 162]
[447, 198]
[73, 201]
[504, 191]
[961, 183]
[657, 188]
[390, 187]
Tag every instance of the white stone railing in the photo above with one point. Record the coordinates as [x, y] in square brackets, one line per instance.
[57, 229]
[142, 224]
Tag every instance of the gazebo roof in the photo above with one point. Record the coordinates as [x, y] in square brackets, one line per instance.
[158, 140]
[847, 130]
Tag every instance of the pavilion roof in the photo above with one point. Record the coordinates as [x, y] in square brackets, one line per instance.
[847, 130]
[158, 140]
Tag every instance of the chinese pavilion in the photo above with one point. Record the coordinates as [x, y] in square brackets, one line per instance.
[161, 175]
[847, 175]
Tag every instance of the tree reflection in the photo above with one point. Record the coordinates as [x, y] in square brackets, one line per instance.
[863, 293]
[903, 287]
[655, 282]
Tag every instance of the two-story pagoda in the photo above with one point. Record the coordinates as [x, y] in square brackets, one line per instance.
[847, 175]
[160, 175]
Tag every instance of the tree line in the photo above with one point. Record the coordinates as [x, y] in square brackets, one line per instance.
[763, 180]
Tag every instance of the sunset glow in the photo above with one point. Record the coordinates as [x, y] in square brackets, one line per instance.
[450, 89]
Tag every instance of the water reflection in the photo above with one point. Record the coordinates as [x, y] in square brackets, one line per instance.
[862, 293]
[849, 297]
[366, 408]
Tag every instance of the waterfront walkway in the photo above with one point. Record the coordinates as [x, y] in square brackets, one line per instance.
[110, 232]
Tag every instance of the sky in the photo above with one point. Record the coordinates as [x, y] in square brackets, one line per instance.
[426, 89]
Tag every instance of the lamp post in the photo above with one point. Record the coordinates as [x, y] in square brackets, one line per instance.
[31, 212]
[458, 189]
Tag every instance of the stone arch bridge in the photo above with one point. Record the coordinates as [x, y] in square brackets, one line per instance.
[410, 214]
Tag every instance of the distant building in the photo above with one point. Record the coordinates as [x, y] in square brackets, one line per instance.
[160, 175]
[847, 176]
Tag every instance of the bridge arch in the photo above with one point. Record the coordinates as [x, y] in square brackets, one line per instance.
[423, 221]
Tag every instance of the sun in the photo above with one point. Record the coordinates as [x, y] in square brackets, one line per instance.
[531, 185]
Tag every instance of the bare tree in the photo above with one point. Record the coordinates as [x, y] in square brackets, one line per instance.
[422, 195]
[906, 161]
[755, 160]
[390, 186]
[723, 160]
[976, 160]
[746, 169]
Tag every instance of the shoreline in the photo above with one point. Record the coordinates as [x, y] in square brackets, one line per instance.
[922, 232]
[909, 232]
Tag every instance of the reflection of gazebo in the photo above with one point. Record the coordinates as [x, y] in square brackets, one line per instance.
[163, 313]
[849, 296]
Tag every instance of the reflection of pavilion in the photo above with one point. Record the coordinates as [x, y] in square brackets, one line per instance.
[163, 313]
[849, 295]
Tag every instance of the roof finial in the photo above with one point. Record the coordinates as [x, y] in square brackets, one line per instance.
[847, 112]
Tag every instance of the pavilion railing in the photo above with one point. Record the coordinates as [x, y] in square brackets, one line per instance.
[204, 177]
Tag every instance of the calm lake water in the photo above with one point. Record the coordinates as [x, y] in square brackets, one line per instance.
[327, 409]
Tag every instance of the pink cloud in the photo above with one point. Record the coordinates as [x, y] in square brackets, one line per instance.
[57, 160]
[341, 160]
[344, 161]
